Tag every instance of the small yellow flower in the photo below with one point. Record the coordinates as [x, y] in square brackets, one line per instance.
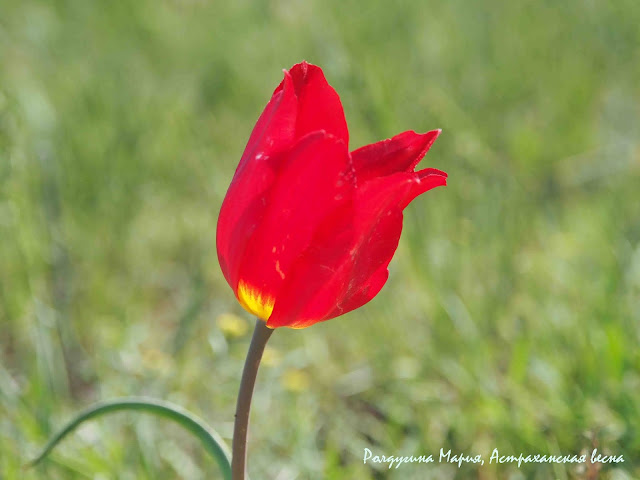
[232, 325]
[296, 380]
[271, 357]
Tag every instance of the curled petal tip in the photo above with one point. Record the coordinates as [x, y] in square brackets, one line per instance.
[432, 171]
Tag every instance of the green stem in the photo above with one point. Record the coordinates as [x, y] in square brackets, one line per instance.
[239, 448]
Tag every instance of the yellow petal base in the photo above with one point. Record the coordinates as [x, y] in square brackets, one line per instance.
[253, 301]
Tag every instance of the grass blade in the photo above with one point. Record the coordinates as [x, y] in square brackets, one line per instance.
[211, 441]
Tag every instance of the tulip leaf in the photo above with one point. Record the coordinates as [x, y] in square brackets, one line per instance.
[210, 439]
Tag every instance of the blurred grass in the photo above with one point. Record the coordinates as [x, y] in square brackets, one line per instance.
[511, 318]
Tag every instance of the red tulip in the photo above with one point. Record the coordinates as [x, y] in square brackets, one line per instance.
[307, 229]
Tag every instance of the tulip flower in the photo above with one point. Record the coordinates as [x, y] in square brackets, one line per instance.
[307, 229]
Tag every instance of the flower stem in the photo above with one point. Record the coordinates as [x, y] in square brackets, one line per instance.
[239, 448]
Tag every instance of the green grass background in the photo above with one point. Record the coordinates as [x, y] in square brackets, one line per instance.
[511, 316]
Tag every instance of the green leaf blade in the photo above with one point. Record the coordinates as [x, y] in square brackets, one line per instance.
[211, 441]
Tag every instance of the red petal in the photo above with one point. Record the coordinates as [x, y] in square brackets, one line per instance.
[311, 184]
[319, 106]
[398, 154]
[346, 264]
[369, 289]
[256, 172]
